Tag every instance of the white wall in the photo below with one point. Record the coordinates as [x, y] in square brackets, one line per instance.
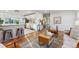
[67, 17]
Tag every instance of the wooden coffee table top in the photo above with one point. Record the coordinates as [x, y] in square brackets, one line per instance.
[45, 36]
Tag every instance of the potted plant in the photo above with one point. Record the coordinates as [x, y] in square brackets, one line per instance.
[1, 21]
[17, 21]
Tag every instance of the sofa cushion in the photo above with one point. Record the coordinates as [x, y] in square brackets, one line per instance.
[74, 33]
[69, 42]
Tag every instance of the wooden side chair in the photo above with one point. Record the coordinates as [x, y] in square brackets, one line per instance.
[55, 31]
[68, 31]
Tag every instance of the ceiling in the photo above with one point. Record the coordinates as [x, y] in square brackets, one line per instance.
[28, 12]
[18, 12]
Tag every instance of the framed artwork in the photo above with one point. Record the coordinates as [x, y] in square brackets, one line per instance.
[57, 20]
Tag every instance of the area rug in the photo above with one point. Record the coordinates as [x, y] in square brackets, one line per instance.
[34, 43]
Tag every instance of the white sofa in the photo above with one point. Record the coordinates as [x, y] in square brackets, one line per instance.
[72, 40]
[69, 42]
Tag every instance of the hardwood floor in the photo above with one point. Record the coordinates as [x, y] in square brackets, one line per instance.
[16, 42]
[19, 41]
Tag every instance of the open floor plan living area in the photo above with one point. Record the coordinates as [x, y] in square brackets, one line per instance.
[39, 28]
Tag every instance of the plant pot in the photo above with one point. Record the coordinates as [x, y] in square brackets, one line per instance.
[1, 21]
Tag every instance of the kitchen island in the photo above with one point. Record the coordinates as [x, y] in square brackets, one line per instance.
[12, 27]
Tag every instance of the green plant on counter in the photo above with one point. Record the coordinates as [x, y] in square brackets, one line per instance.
[10, 21]
[17, 21]
[1, 21]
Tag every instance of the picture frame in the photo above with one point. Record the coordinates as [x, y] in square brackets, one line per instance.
[57, 20]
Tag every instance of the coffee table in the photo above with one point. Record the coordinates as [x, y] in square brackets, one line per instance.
[45, 39]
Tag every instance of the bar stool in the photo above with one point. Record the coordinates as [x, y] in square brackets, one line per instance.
[20, 35]
[7, 35]
[20, 32]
